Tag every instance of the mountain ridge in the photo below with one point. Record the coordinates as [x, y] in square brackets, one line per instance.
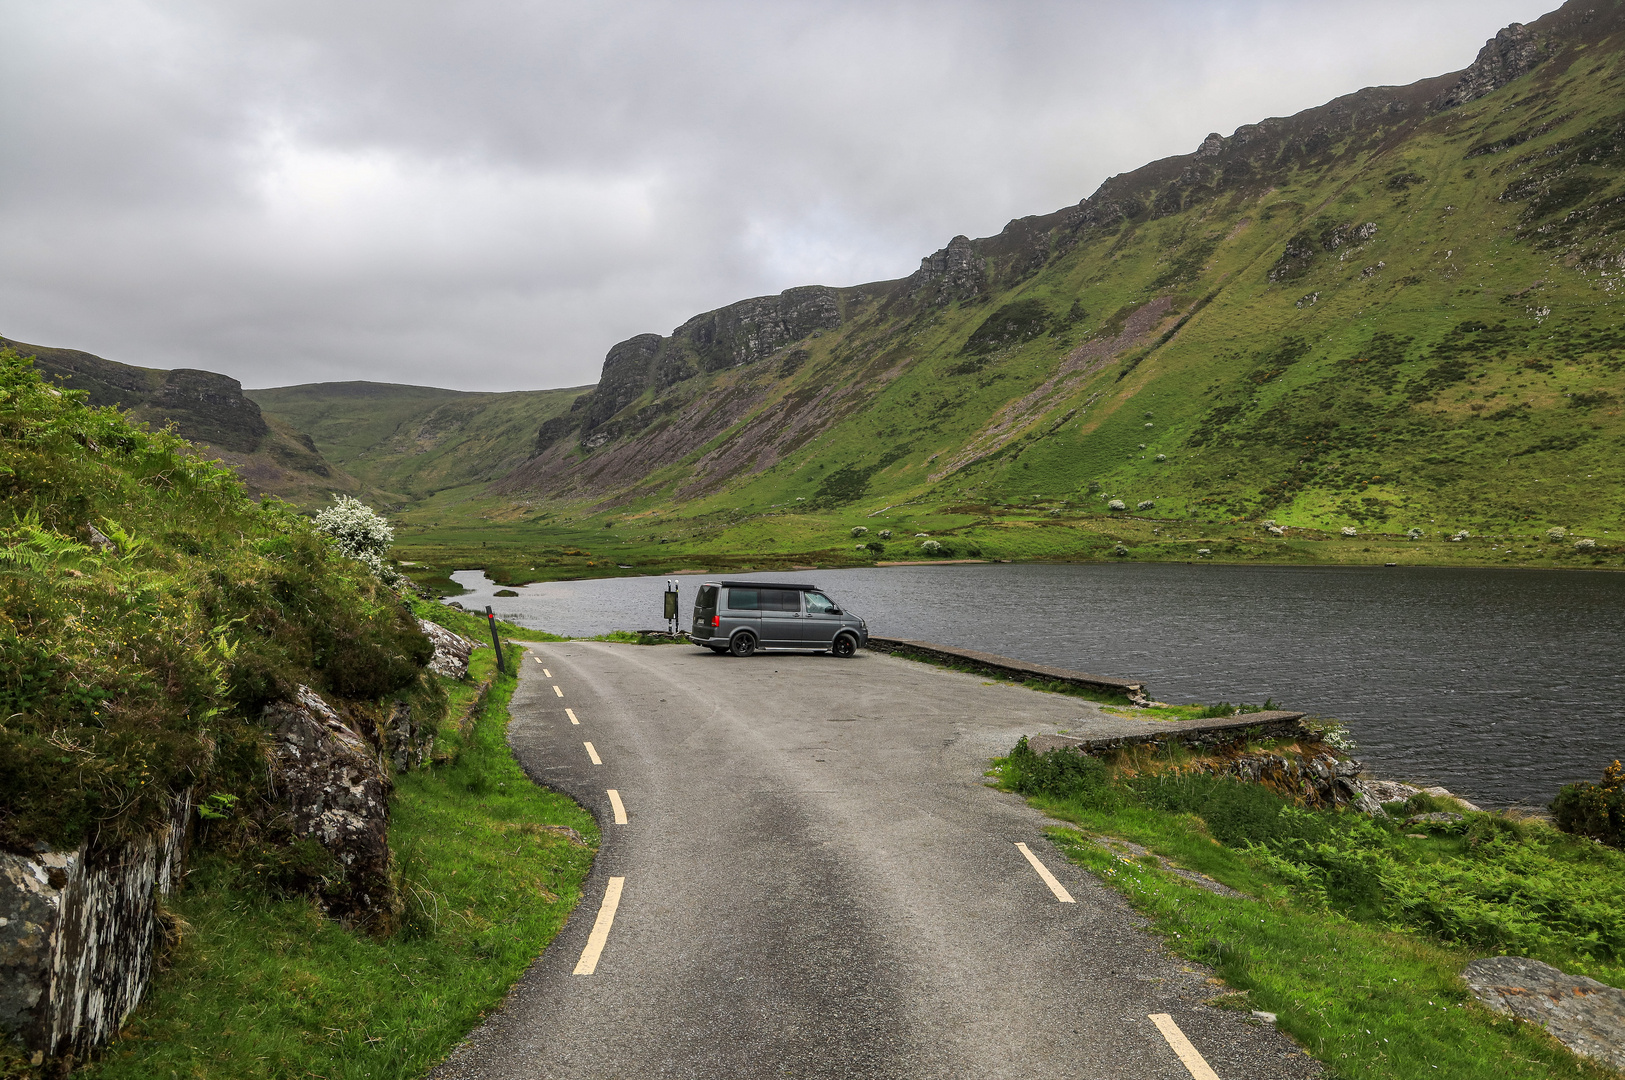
[703, 414]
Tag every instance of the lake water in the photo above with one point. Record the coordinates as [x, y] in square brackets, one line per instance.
[1500, 685]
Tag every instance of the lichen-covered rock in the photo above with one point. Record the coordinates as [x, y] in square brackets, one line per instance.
[78, 935]
[451, 651]
[336, 792]
[1584, 1015]
[407, 739]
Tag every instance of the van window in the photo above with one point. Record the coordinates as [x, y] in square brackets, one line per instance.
[742, 599]
[819, 604]
[706, 602]
[781, 599]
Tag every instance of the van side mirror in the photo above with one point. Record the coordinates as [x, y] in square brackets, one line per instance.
[835, 611]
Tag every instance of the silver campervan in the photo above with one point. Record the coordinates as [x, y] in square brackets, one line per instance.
[743, 616]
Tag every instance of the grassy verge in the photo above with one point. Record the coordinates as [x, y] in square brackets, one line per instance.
[1353, 932]
[475, 626]
[266, 987]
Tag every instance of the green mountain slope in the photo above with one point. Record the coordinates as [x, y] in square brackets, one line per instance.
[414, 440]
[1398, 310]
[208, 409]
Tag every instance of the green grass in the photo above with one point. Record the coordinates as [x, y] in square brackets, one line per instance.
[1352, 932]
[415, 440]
[266, 987]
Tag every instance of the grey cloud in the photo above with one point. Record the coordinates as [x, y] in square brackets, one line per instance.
[487, 195]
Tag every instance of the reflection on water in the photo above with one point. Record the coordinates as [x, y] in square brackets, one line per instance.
[1501, 685]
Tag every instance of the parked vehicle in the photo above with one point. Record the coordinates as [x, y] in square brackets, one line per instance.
[743, 616]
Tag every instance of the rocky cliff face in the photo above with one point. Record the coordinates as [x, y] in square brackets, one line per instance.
[739, 334]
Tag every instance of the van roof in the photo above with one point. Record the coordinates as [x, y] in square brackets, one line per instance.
[764, 585]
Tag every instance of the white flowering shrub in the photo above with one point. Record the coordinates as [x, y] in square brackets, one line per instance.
[859, 531]
[361, 534]
[930, 547]
[1117, 504]
[1556, 533]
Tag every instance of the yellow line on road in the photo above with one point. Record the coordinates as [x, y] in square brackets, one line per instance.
[545, 672]
[538, 659]
[592, 753]
[600, 928]
[1049, 879]
[618, 806]
[1193, 1061]
[557, 691]
[571, 713]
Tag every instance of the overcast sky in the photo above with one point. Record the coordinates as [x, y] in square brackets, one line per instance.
[487, 195]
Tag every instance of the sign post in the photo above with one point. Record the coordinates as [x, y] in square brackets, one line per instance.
[671, 604]
[496, 642]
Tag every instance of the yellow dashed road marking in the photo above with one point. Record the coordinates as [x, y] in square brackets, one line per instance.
[1193, 1061]
[600, 928]
[592, 753]
[1049, 879]
[618, 806]
[571, 713]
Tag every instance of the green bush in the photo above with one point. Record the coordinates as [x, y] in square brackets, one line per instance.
[149, 609]
[1594, 810]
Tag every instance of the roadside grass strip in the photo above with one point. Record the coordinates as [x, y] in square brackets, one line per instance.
[1373, 991]
[617, 806]
[1194, 1062]
[263, 986]
[592, 753]
[599, 935]
[1049, 879]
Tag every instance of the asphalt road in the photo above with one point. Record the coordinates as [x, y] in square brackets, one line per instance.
[816, 882]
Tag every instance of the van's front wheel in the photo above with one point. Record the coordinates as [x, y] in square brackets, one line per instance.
[844, 646]
[743, 644]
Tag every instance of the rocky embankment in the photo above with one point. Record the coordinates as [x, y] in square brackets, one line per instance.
[81, 930]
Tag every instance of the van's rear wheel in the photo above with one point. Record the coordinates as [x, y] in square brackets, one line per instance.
[743, 644]
[844, 646]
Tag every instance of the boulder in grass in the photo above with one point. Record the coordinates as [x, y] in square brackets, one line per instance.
[1117, 504]
[1587, 544]
[335, 791]
[859, 530]
[451, 650]
[1556, 533]
[1584, 1015]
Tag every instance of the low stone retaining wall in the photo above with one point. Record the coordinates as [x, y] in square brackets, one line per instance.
[1005, 666]
[79, 937]
[1274, 724]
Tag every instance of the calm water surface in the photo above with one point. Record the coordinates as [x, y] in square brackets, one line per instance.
[1501, 685]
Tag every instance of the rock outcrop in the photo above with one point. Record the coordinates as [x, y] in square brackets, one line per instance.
[957, 272]
[451, 651]
[1512, 52]
[79, 936]
[336, 792]
[1584, 1015]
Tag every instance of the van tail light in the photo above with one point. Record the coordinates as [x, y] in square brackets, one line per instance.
[716, 620]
